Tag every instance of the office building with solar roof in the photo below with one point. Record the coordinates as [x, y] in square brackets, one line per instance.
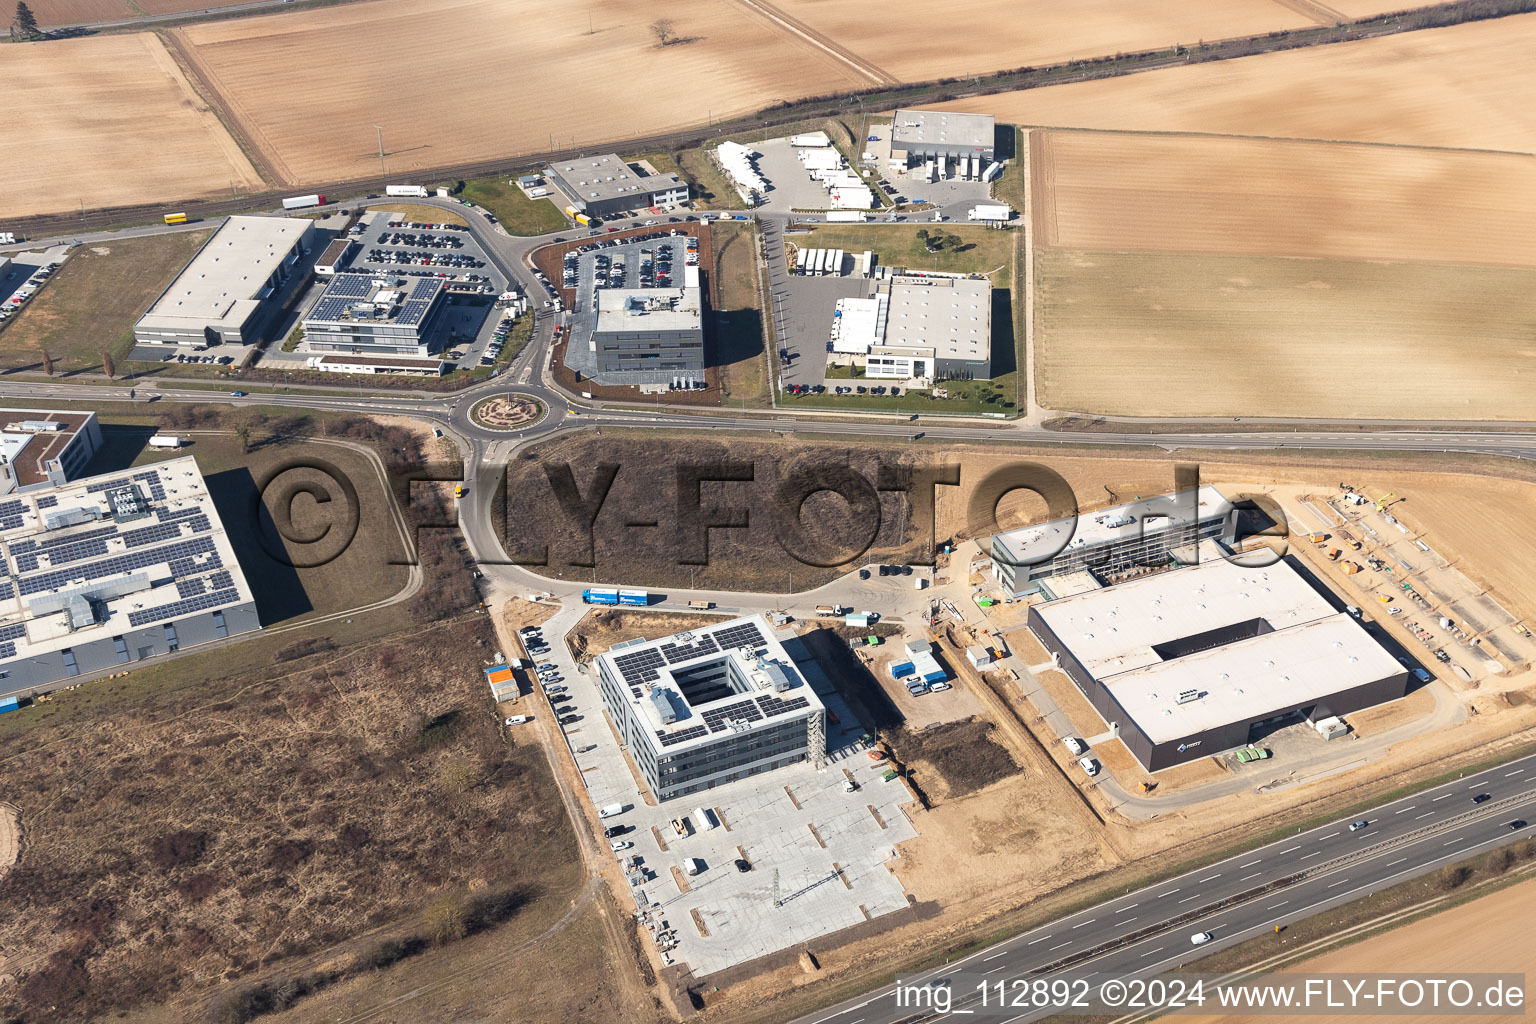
[367, 314]
[712, 705]
[108, 571]
[44, 447]
[225, 293]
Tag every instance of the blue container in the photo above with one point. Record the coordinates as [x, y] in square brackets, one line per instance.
[8, 704]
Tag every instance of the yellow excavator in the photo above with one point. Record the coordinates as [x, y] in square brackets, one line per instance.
[1381, 506]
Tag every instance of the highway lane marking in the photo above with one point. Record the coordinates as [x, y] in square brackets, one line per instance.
[1128, 920]
[1400, 860]
[1042, 938]
[1212, 878]
[1342, 881]
[1083, 924]
[1133, 906]
[1170, 892]
[1186, 899]
[1330, 835]
[1245, 878]
[994, 956]
[1424, 815]
[1517, 771]
[1290, 849]
[1442, 796]
[1456, 840]
[1277, 906]
[1064, 945]
[1159, 949]
[1251, 863]
[1405, 810]
[1314, 853]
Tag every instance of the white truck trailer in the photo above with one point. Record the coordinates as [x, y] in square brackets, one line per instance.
[990, 214]
[847, 217]
[166, 441]
[302, 202]
[412, 191]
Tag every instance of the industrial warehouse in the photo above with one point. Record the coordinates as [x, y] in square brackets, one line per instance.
[707, 707]
[225, 293]
[1201, 659]
[605, 186]
[110, 570]
[921, 135]
[918, 327]
[44, 447]
[1055, 558]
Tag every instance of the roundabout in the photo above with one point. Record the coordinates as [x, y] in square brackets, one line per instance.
[507, 412]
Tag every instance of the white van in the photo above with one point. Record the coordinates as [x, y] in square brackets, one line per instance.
[1088, 765]
[1075, 745]
[692, 865]
[612, 811]
[705, 818]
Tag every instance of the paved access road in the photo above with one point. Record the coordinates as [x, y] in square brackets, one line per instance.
[1149, 931]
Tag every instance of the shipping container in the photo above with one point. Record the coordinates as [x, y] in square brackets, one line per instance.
[300, 202]
[8, 704]
[902, 670]
[856, 619]
[175, 218]
[639, 598]
[600, 595]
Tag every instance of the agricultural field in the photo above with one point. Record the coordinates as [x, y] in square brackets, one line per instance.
[90, 306]
[916, 41]
[1161, 334]
[108, 121]
[491, 58]
[1203, 194]
[1467, 86]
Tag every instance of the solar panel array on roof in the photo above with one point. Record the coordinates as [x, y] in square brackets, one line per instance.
[414, 309]
[717, 718]
[156, 488]
[107, 485]
[177, 609]
[190, 588]
[670, 739]
[12, 523]
[129, 562]
[48, 501]
[187, 567]
[675, 653]
[7, 650]
[13, 632]
[14, 508]
[639, 667]
[60, 550]
[773, 706]
[221, 579]
[745, 635]
[7, 591]
[165, 531]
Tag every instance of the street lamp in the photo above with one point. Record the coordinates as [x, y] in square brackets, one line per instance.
[380, 130]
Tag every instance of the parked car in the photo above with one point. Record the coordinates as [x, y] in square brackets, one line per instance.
[621, 844]
[518, 720]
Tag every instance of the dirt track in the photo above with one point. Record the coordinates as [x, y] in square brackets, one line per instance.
[238, 121]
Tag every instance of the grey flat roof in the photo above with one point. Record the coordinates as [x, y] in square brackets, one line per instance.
[941, 128]
[648, 309]
[595, 179]
[1123, 522]
[952, 316]
[223, 283]
[80, 564]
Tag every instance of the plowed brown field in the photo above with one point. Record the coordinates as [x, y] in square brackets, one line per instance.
[1204, 194]
[77, 12]
[917, 41]
[1467, 86]
[107, 120]
[477, 79]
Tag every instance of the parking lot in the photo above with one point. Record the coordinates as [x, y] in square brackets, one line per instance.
[816, 854]
[805, 306]
[25, 275]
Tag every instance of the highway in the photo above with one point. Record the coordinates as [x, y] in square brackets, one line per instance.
[1149, 931]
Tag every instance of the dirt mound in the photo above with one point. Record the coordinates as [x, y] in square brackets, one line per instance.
[963, 753]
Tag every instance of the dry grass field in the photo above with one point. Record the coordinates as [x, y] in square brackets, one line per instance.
[1205, 194]
[916, 41]
[1148, 334]
[484, 78]
[1465, 86]
[107, 120]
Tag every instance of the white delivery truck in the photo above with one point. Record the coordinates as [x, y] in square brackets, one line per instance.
[705, 817]
[692, 866]
[992, 214]
[413, 191]
[170, 441]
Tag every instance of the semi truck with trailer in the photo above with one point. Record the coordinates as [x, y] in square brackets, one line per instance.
[847, 217]
[991, 214]
[414, 191]
[303, 202]
[600, 595]
[635, 598]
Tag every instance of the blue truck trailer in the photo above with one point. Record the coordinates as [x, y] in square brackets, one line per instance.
[600, 595]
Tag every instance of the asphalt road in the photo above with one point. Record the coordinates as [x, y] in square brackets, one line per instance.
[1149, 931]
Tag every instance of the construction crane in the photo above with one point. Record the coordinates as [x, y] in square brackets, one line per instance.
[1381, 506]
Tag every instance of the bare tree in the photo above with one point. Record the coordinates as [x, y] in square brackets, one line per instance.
[108, 367]
[243, 433]
[664, 31]
[47, 363]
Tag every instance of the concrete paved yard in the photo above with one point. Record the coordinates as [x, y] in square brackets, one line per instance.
[827, 847]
